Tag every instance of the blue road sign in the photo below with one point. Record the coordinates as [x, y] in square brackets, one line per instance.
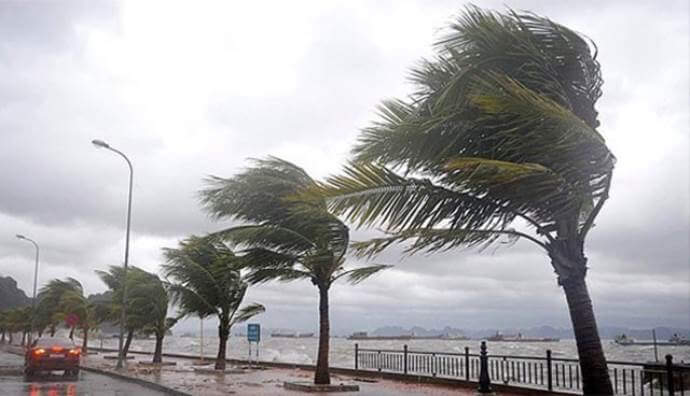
[253, 332]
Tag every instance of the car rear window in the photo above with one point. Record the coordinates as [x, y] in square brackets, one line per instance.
[51, 342]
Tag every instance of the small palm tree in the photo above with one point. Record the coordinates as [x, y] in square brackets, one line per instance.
[204, 280]
[111, 311]
[3, 325]
[288, 237]
[499, 141]
[18, 321]
[46, 313]
[73, 302]
[149, 301]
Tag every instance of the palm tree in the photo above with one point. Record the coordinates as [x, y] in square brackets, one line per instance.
[111, 310]
[47, 312]
[3, 325]
[148, 304]
[287, 237]
[205, 281]
[498, 142]
[71, 301]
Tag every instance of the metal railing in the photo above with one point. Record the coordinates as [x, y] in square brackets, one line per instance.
[541, 372]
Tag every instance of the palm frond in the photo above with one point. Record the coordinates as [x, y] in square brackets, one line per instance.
[373, 195]
[357, 275]
[247, 312]
[435, 240]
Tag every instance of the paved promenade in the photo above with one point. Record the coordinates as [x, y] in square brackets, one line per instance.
[182, 377]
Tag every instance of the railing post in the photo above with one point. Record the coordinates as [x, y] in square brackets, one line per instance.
[356, 357]
[484, 380]
[467, 364]
[378, 358]
[405, 359]
[549, 378]
[669, 374]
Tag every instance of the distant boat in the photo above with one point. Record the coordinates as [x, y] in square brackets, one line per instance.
[677, 340]
[623, 340]
[305, 335]
[673, 341]
[519, 338]
[283, 335]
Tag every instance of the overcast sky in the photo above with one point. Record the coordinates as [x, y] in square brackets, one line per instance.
[189, 89]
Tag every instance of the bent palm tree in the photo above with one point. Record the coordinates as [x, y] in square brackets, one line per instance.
[149, 300]
[70, 298]
[500, 133]
[112, 309]
[207, 281]
[287, 238]
[147, 304]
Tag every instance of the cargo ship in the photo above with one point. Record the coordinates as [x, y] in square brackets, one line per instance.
[519, 338]
[292, 335]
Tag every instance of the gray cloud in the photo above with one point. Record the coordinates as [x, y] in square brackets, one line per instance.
[194, 91]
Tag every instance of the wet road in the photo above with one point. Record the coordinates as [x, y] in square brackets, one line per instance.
[88, 383]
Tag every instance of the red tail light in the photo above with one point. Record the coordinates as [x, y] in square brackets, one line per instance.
[75, 352]
[56, 349]
[39, 352]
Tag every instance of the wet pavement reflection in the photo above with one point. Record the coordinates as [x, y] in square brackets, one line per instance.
[54, 385]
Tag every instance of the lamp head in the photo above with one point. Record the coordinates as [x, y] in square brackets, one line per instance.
[20, 236]
[100, 143]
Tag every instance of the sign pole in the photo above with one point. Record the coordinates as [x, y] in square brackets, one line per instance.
[201, 345]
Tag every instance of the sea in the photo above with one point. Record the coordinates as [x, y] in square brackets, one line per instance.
[342, 350]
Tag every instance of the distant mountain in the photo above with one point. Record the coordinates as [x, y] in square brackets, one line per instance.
[10, 295]
[606, 332]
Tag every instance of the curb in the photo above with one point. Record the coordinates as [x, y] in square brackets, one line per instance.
[139, 381]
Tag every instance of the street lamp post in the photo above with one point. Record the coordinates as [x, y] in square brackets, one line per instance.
[33, 300]
[123, 316]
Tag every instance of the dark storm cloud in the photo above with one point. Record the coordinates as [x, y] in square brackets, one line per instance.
[188, 96]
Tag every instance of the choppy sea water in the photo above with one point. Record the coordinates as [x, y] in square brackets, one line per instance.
[303, 350]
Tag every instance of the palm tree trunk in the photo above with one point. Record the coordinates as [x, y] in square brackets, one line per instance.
[71, 333]
[85, 342]
[322, 376]
[23, 338]
[223, 333]
[2, 340]
[52, 330]
[128, 342]
[9, 341]
[595, 375]
[158, 352]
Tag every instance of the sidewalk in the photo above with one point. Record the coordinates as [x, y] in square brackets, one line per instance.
[258, 382]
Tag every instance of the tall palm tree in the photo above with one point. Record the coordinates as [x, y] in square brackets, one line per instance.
[498, 142]
[205, 281]
[287, 237]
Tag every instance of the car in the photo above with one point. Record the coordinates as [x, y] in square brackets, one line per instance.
[52, 354]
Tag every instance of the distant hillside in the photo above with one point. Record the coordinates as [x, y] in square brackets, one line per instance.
[10, 295]
[606, 332]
